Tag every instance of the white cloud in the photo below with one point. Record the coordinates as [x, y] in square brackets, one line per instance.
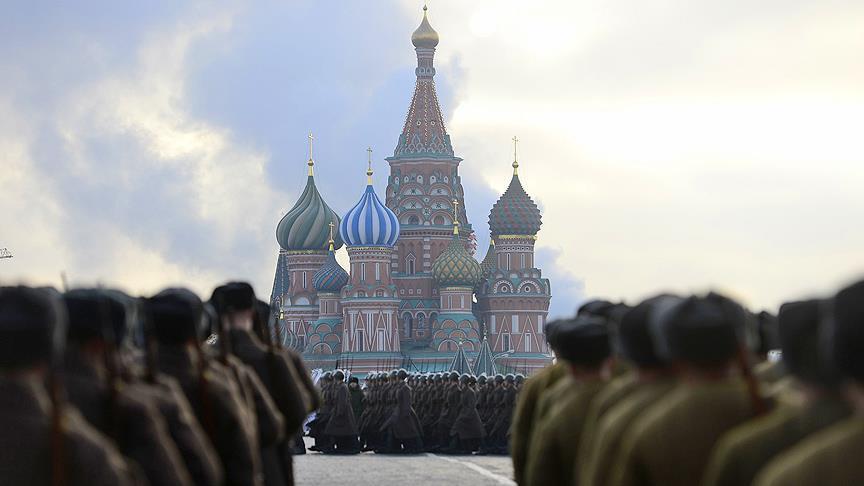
[207, 190]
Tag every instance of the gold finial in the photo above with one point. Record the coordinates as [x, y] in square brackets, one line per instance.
[515, 160]
[331, 235]
[492, 241]
[369, 170]
[311, 162]
[455, 216]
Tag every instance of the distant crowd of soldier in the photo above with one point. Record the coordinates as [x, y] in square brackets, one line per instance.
[697, 391]
[406, 413]
[98, 388]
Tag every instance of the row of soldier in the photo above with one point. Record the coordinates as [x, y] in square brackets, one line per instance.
[401, 412]
[683, 391]
[99, 388]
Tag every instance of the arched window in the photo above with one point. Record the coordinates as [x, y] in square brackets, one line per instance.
[363, 272]
[304, 280]
[407, 324]
[439, 220]
[421, 321]
[409, 264]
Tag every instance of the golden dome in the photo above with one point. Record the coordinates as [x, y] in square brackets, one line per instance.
[425, 35]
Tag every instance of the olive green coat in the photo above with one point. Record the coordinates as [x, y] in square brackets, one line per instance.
[600, 453]
[670, 444]
[523, 417]
[744, 450]
[555, 442]
[831, 456]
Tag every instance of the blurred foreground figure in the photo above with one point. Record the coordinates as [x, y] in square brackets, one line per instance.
[583, 344]
[41, 441]
[91, 372]
[652, 379]
[173, 319]
[833, 455]
[671, 442]
[816, 404]
[236, 306]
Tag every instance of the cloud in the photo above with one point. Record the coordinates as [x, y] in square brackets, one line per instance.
[126, 187]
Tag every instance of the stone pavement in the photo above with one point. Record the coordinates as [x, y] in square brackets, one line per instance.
[383, 470]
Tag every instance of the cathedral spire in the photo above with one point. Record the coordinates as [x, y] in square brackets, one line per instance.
[424, 134]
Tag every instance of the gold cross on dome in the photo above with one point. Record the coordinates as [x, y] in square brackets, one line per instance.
[455, 216]
[515, 160]
[311, 163]
[369, 170]
[331, 235]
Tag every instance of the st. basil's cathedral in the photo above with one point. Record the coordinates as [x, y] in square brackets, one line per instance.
[414, 296]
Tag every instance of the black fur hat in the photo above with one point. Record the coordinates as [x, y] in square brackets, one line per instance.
[803, 352]
[174, 315]
[846, 331]
[95, 314]
[584, 341]
[32, 326]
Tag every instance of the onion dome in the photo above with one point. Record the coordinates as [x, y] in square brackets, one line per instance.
[306, 226]
[455, 267]
[515, 213]
[370, 222]
[425, 36]
[489, 263]
[331, 277]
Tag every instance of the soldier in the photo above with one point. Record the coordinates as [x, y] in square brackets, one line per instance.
[94, 387]
[173, 317]
[239, 310]
[341, 428]
[743, 451]
[584, 345]
[523, 417]
[467, 430]
[833, 455]
[356, 397]
[403, 426]
[165, 393]
[599, 445]
[43, 441]
[317, 426]
[670, 443]
[267, 422]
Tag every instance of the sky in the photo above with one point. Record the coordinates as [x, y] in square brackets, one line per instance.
[672, 145]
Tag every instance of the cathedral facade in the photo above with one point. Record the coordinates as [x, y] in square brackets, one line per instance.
[414, 294]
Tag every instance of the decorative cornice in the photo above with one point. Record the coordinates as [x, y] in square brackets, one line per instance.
[516, 237]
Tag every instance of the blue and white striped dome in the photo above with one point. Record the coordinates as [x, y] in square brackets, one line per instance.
[369, 223]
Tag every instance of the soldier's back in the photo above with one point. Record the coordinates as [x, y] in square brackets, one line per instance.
[555, 443]
[600, 453]
[85, 458]
[197, 452]
[672, 442]
[831, 456]
[744, 450]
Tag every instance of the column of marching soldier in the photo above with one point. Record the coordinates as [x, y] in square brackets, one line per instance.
[79, 405]
[679, 391]
[405, 413]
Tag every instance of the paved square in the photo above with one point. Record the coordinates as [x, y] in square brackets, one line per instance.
[382, 470]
